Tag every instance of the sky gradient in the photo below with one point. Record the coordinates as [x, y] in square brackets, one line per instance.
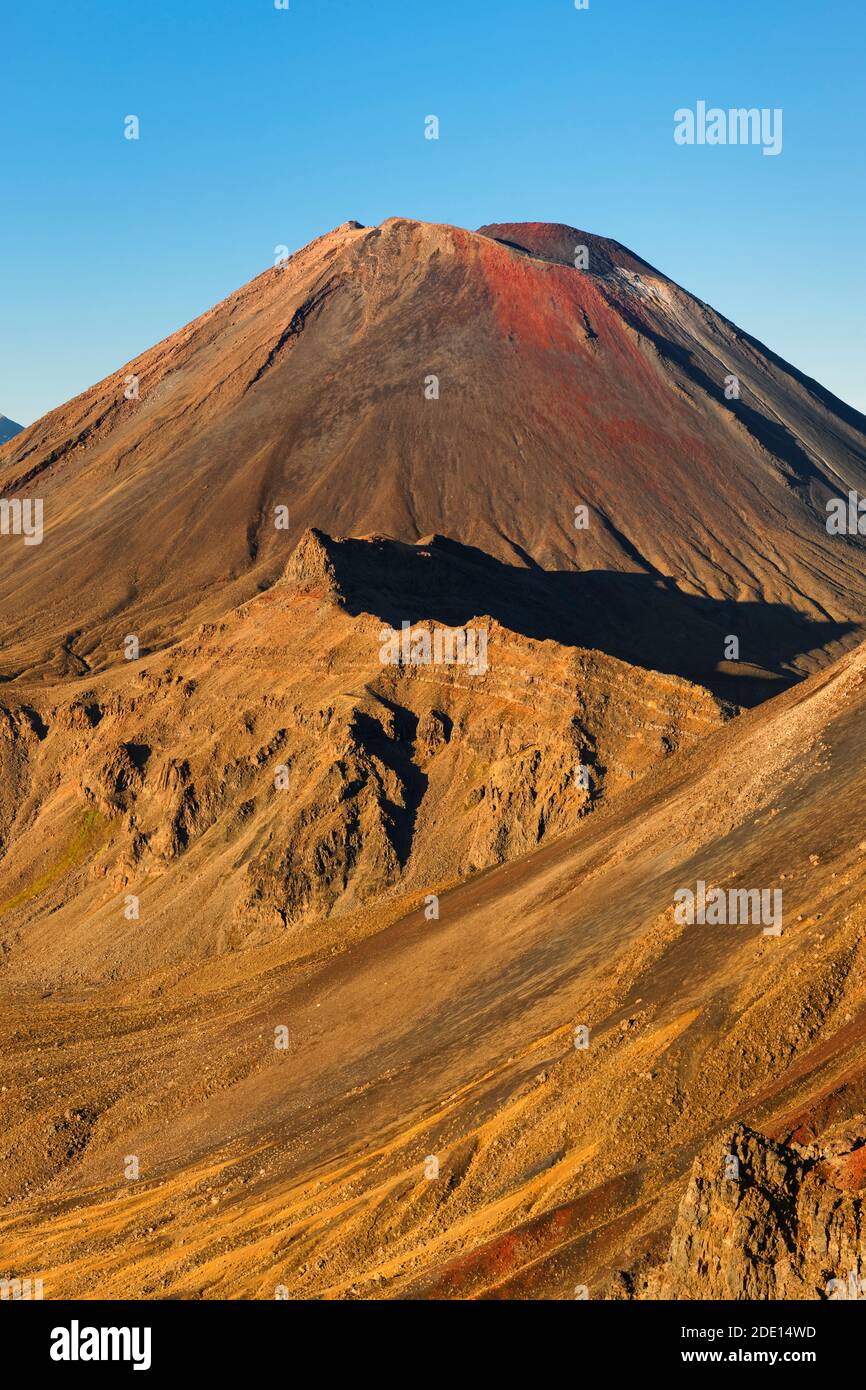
[262, 127]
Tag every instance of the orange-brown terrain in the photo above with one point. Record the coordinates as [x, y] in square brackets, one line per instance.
[308, 938]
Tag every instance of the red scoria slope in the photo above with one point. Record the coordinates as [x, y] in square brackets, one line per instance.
[558, 387]
[258, 908]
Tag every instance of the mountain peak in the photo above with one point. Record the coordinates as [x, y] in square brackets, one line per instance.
[8, 428]
[418, 378]
[556, 241]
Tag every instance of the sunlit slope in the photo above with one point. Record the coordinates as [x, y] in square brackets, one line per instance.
[453, 1039]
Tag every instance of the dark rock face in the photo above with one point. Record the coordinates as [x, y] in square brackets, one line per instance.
[763, 1220]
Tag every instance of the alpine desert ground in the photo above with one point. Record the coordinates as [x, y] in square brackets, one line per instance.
[432, 777]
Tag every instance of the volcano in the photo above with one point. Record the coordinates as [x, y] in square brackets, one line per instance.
[333, 968]
[414, 379]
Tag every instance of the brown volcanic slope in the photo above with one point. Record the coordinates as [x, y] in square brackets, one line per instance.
[558, 387]
[452, 1039]
[157, 778]
[152, 782]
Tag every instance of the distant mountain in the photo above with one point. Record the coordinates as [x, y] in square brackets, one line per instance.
[8, 429]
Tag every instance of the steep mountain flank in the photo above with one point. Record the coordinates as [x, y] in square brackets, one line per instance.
[558, 1166]
[271, 770]
[412, 379]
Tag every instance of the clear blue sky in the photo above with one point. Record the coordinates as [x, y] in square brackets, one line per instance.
[261, 127]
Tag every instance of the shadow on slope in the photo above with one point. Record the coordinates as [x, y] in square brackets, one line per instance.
[640, 618]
